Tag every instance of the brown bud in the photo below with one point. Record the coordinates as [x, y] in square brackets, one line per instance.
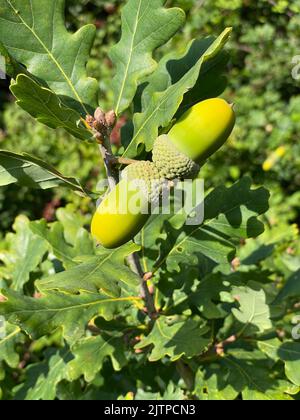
[89, 119]
[220, 351]
[281, 334]
[100, 116]
[235, 264]
[148, 276]
[151, 289]
[110, 118]
[98, 126]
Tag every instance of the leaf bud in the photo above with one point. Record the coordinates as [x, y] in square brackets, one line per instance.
[100, 116]
[110, 118]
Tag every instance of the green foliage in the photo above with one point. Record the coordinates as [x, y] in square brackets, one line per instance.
[132, 55]
[46, 107]
[56, 148]
[264, 41]
[165, 102]
[32, 172]
[175, 338]
[25, 252]
[226, 292]
[48, 37]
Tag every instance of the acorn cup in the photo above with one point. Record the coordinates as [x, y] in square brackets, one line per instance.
[198, 134]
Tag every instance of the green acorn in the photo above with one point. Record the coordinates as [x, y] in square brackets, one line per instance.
[126, 209]
[170, 162]
[203, 129]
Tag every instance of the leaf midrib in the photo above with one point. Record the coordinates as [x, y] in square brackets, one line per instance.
[76, 307]
[28, 164]
[130, 56]
[69, 82]
[199, 64]
[10, 336]
[247, 376]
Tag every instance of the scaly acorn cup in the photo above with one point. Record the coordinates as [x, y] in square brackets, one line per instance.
[126, 209]
[170, 162]
[203, 129]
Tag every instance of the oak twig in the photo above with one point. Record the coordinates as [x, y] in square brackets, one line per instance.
[108, 159]
[122, 161]
[101, 126]
[135, 265]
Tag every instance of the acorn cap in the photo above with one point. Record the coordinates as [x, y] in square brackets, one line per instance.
[146, 177]
[170, 162]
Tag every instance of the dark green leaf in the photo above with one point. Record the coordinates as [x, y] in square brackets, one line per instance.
[25, 253]
[164, 105]
[104, 273]
[175, 340]
[146, 25]
[288, 352]
[7, 344]
[39, 317]
[54, 235]
[46, 107]
[174, 66]
[32, 172]
[90, 354]
[35, 28]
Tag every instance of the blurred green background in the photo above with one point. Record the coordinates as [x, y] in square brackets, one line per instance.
[265, 144]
